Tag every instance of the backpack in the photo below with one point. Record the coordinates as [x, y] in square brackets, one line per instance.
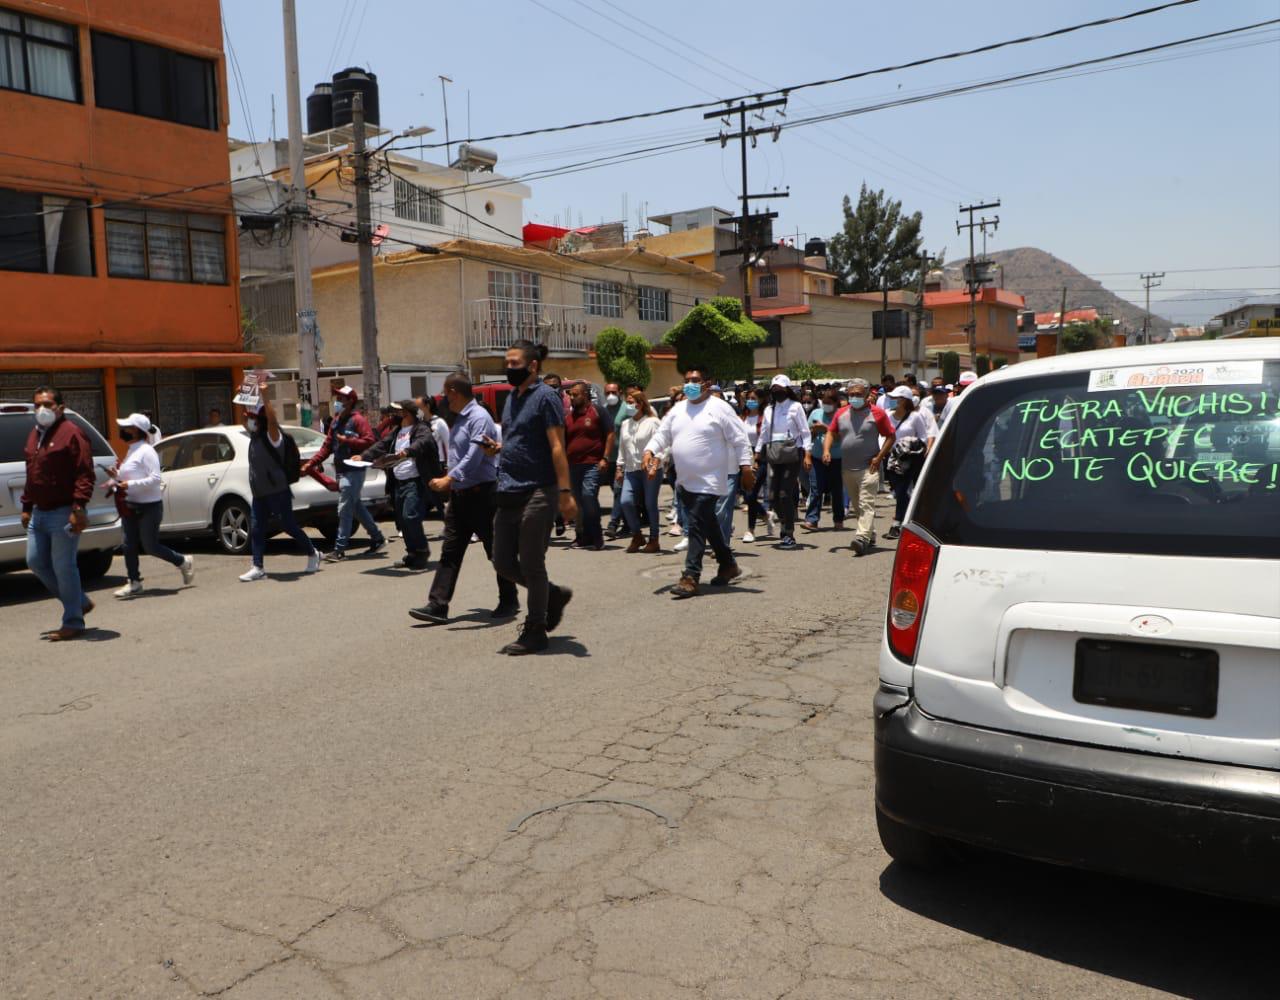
[290, 461]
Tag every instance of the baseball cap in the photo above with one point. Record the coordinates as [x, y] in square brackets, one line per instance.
[346, 390]
[902, 392]
[968, 378]
[944, 389]
[136, 420]
[781, 381]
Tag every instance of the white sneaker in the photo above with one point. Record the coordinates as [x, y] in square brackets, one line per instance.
[671, 516]
[188, 569]
[255, 573]
[313, 562]
[130, 589]
[675, 531]
[748, 537]
[681, 545]
[773, 522]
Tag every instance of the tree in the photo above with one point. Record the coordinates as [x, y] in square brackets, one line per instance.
[981, 364]
[1085, 336]
[717, 338]
[623, 358]
[801, 370]
[877, 242]
[949, 365]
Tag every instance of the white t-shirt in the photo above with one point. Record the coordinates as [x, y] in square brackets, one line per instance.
[917, 425]
[634, 435]
[440, 431]
[789, 424]
[703, 439]
[408, 469]
[140, 468]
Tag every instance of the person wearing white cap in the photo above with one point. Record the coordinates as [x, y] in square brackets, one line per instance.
[784, 443]
[138, 482]
[913, 437]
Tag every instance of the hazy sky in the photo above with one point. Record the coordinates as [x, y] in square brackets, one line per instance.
[1170, 165]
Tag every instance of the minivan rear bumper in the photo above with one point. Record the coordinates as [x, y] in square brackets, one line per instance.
[1198, 825]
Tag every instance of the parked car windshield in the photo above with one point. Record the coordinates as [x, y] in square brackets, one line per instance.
[1170, 460]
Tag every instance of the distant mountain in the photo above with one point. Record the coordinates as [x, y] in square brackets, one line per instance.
[1040, 278]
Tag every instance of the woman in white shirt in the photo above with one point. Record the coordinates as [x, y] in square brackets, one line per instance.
[786, 425]
[637, 423]
[915, 435]
[757, 502]
[137, 479]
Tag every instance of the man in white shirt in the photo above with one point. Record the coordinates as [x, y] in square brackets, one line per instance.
[701, 434]
[785, 429]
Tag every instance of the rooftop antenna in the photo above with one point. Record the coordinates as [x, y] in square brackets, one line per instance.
[444, 99]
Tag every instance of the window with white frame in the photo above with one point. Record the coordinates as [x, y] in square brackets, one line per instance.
[38, 56]
[514, 301]
[768, 286]
[602, 298]
[654, 304]
[166, 246]
[417, 204]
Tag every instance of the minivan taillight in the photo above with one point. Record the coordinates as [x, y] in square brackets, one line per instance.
[912, 567]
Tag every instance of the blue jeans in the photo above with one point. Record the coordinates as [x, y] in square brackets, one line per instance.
[280, 507]
[585, 480]
[142, 534]
[615, 508]
[724, 509]
[410, 510]
[704, 529]
[51, 555]
[637, 486]
[825, 480]
[350, 507]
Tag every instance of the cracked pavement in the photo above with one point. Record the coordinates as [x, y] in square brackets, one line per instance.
[289, 790]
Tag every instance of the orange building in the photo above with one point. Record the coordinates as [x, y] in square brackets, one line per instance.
[997, 329]
[118, 269]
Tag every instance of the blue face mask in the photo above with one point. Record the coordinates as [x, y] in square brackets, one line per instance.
[626, 411]
[753, 405]
[337, 408]
[857, 402]
[692, 391]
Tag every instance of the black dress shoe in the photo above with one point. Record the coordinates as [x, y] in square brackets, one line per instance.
[436, 614]
[376, 547]
[505, 610]
[532, 640]
[556, 602]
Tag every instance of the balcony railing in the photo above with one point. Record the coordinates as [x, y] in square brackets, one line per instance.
[496, 324]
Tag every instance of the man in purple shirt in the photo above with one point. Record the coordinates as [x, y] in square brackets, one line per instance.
[469, 484]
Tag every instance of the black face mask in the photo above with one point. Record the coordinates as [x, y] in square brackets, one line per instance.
[516, 376]
[778, 395]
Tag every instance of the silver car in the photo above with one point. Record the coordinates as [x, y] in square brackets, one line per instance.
[99, 541]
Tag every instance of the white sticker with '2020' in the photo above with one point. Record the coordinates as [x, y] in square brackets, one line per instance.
[1194, 374]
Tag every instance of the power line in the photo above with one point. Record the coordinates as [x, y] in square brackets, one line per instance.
[860, 74]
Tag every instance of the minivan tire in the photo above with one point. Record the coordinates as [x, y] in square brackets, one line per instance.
[94, 565]
[231, 526]
[913, 847]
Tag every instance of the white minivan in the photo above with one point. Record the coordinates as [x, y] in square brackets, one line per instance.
[1081, 657]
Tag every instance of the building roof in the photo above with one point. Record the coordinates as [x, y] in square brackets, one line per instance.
[665, 219]
[988, 296]
[778, 311]
[1073, 316]
[1250, 303]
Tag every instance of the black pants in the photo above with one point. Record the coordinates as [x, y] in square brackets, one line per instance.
[468, 512]
[782, 498]
[142, 532]
[521, 529]
[704, 529]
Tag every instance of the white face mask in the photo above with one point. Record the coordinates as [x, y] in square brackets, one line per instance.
[611, 399]
[252, 425]
[46, 416]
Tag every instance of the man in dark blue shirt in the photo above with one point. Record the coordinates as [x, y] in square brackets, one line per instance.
[532, 467]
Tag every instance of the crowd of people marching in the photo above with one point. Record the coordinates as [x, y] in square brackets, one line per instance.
[786, 454]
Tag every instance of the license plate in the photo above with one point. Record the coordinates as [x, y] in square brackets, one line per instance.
[1176, 680]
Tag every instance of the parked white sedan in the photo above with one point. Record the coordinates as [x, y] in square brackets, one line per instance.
[206, 480]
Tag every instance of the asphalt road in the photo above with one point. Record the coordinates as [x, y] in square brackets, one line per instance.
[289, 789]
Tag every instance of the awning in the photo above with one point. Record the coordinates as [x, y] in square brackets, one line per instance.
[62, 360]
[780, 311]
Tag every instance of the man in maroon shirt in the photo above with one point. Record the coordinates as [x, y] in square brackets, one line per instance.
[589, 439]
[59, 486]
[349, 434]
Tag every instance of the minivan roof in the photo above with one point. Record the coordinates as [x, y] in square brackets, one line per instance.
[1151, 354]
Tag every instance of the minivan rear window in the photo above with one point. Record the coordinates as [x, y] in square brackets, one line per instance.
[1165, 460]
[15, 428]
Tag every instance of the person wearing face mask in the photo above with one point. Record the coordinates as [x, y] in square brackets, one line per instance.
[269, 478]
[784, 445]
[349, 435]
[533, 471]
[589, 437]
[613, 402]
[408, 452]
[757, 502]
[914, 436]
[59, 485]
[703, 435]
[138, 481]
[825, 472]
[638, 425]
[856, 429]
[429, 413]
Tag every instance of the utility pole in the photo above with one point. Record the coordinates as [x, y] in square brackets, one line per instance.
[364, 249]
[1149, 281]
[750, 227]
[1062, 320]
[917, 352]
[884, 323]
[298, 213]
[971, 279]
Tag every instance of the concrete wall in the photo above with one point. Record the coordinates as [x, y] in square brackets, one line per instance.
[997, 330]
[836, 335]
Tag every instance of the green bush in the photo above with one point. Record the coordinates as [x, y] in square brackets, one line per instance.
[949, 363]
[802, 370]
[716, 337]
[981, 364]
[623, 358]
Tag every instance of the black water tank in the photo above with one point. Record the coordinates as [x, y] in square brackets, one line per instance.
[815, 248]
[346, 84]
[320, 109]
